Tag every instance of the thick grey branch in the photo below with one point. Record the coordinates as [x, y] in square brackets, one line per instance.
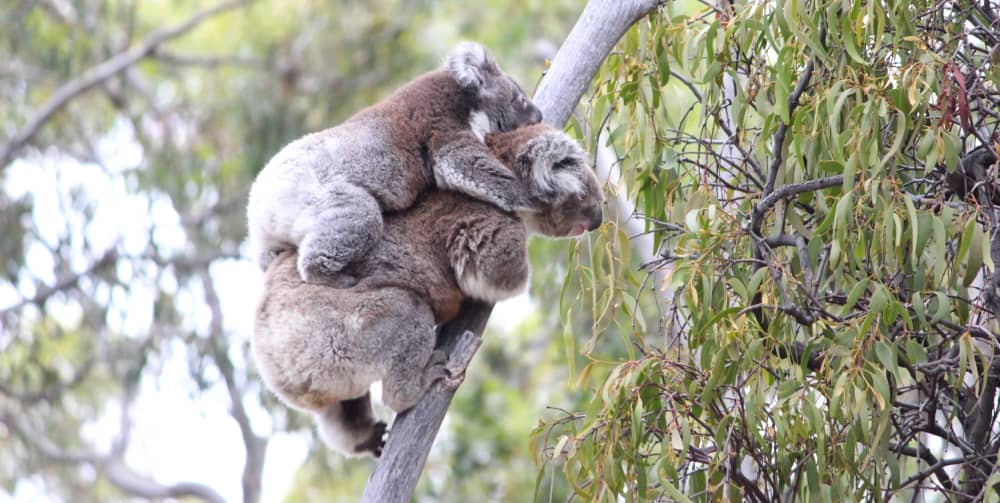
[102, 72]
[601, 25]
[413, 431]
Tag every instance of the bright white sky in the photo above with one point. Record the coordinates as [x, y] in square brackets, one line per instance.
[180, 434]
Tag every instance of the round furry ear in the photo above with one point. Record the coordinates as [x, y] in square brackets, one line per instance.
[549, 155]
[471, 65]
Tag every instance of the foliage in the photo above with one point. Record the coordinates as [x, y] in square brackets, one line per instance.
[809, 174]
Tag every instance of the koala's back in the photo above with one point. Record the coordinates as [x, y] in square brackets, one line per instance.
[433, 247]
[383, 150]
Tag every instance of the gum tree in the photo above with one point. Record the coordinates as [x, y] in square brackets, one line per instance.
[819, 180]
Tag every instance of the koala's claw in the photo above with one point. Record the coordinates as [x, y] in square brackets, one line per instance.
[451, 381]
[376, 442]
[461, 354]
[436, 372]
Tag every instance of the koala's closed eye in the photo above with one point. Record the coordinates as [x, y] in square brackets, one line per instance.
[564, 164]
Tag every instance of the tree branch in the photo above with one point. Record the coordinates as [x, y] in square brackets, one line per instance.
[111, 466]
[597, 31]
[600, 26]
[102, 72]
[107, 259]
[413, 432]
[779, 136]
[978, 426]
[936, 467]
[772, 198]
[255, 445]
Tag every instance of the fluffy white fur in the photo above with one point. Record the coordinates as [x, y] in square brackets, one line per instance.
[480, 124]
[467, 62]
[555, 147]
[483, 289]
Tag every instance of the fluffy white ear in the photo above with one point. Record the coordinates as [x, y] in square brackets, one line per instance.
[552, 155]
[471, 65]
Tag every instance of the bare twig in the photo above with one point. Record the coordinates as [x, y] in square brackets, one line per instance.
[779, 136]
[768, 202]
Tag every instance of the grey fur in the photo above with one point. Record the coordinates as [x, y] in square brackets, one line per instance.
[319, 347]
[324, 193]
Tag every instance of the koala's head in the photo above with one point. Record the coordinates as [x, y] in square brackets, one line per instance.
[563, 193]
[500, 103]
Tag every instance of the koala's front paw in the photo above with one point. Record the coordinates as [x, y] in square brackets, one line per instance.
[375, 442]
[320, 268]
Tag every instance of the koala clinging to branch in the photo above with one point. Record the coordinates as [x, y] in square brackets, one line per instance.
[324, 193]
[320, 348]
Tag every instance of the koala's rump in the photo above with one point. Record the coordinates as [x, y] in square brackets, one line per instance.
[316, 345]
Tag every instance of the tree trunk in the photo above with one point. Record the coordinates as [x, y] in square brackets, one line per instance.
[599, 28]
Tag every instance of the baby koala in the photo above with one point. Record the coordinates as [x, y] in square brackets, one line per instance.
[324, 194]
[320, 348]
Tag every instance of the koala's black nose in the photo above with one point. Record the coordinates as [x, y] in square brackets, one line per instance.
[536, 116]
[596, 216]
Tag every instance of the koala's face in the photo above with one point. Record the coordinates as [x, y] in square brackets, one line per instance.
[507, 106]
[565, 196]
[501, 104]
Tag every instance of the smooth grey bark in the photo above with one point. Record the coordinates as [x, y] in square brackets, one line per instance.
[600, 26]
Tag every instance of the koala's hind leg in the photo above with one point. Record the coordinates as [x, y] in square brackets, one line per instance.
[408, 332]
[345, 225]
[408, 381]
[350, 426]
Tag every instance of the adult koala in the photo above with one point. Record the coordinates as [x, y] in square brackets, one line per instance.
[324, 193]
[320, 348]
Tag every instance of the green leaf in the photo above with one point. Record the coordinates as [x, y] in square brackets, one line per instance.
[852, 298]
[915, 352]
[897, 141]
[880, 298]
[886, 356]
[975, 258]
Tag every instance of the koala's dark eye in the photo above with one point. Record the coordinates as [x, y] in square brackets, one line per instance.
[564, 164]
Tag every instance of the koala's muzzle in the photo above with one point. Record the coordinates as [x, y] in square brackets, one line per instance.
[595, 215]
[534, 115]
